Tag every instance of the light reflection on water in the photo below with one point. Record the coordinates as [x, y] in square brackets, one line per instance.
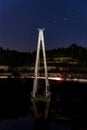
[15, 103]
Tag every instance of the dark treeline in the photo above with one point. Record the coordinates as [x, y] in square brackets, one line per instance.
[74, 51]
[14, 58]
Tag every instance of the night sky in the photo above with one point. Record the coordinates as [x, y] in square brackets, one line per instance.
[65, 22]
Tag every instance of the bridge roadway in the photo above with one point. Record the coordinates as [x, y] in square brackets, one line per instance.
[9, 75]
[66, 79]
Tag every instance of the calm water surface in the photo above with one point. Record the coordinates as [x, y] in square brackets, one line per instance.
[67, 109]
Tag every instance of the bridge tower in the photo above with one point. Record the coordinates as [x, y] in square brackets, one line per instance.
[35, 85]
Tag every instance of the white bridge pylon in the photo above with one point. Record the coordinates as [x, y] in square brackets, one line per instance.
[35, 85]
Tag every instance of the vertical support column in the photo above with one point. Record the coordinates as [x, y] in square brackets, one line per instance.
[40, 41]
[45, 64]
[36, 67]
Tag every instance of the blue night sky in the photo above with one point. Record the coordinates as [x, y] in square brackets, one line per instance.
[65, 22]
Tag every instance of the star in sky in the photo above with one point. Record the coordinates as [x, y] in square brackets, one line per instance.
[65, 19]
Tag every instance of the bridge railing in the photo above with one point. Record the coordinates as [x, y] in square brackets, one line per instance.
[64, 76]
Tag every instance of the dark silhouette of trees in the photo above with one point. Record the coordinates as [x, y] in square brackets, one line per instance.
[14, 58]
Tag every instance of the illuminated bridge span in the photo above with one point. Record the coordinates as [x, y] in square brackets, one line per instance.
[7, 75]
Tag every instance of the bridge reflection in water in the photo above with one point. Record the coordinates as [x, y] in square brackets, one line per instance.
[41, 111]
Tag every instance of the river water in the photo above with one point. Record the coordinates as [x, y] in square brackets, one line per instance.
[67, 109]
